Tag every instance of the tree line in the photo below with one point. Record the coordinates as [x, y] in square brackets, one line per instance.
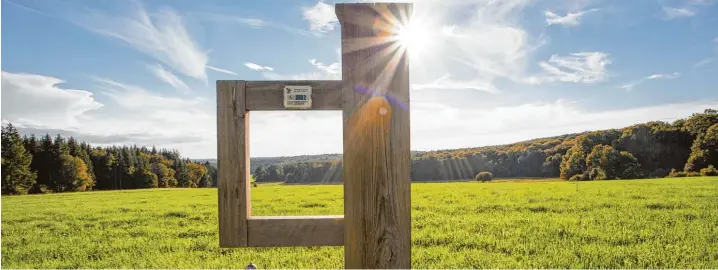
[685, 147]
[46, 165]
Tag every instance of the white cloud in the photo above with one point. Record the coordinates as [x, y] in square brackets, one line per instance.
[489, 45]
[257, 67]
[457, 128]
[675, 13]
[450, 31]
[334, 68]
[134, 115]
[29, 98]
[320, 133]
[509, 124]
[161, 35]
[131, 114]
[326, 72]
[664, 76]
[167, 76]
[321, 17]
[585, 67]
[570, 19]
[137, 98]
[222, 70]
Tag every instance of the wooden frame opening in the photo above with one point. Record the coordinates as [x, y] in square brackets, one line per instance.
[237, 226]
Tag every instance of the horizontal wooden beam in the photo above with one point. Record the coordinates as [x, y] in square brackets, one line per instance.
[269, 95]
[292, 231]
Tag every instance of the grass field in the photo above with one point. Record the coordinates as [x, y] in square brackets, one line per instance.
[662, 223]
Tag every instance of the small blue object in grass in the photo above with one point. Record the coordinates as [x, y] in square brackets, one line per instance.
[251, 266]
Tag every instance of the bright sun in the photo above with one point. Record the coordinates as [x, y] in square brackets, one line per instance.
[414, 37]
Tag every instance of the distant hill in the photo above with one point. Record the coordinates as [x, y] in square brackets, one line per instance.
[684, 147]
[267, 161]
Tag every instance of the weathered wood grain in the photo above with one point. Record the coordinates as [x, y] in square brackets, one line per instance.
[286, 231]
[268, 95]
[375, 76]
[232, 163]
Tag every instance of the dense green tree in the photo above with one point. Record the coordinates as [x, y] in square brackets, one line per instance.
[17, 178]
[164, 177]
[205, 181]
[699, 123]
[182, 174]
[72, 174]
[145, 179]
[610, 163]
[704, 151]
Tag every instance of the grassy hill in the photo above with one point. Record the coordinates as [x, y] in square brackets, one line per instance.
[661, 223]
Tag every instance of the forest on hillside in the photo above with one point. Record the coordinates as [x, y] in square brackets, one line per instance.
[684, 147]
[47, 165]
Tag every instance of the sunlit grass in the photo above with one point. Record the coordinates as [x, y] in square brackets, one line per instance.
[663, 223]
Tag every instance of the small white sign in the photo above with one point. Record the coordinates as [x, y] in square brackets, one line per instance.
[297, 96]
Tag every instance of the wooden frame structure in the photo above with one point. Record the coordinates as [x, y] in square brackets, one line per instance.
[374, 98]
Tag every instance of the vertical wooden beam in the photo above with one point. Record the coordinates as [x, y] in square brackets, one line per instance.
[232, 163]
[375, 75]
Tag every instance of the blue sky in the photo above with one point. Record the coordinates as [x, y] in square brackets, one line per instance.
[482, 72]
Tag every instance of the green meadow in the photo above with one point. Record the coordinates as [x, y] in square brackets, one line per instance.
[660, 223]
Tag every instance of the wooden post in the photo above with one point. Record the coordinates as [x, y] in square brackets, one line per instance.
[375, 93]
[374, 98]
[232, 163]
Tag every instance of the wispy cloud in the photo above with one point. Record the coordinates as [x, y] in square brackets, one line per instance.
[312, 75]
[703, 62]
[702, 2]
[583, 67]
[326, 72]
[256, 23]
[161, 35]
[447, 83]
[251, 22]
[321, 17]
[570, 19]
[222, 70]
[631, 85]
[26, 7]
[488, 46]
[334, 68]
[257, 67]
[675, 13]
[165, 75]
[663, 76]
